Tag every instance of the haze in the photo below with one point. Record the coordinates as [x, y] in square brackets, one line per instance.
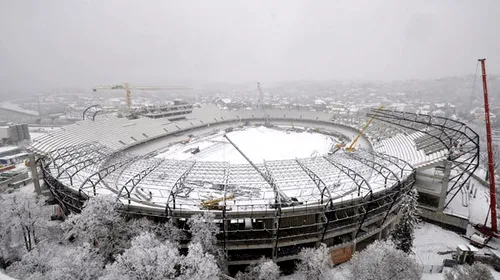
[47, 44]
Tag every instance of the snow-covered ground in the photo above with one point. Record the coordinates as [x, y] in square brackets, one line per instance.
[472, 203]
[429, 240]
[258, 143]
[4, 276]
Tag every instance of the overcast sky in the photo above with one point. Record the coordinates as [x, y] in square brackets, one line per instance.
[83, 43]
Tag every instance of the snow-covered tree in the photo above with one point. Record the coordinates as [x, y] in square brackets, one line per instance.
[162, 230]
[403, 233]
[477, 271]
[147, 259]
[35, 264]
[80, 262]
[198, 264]
[263, 270]
[56, 262]
[314, 263]
[382, 261]
[101, 225]
[22, 218]
[204, 230]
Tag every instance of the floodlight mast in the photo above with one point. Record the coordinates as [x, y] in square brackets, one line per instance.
[491, 160]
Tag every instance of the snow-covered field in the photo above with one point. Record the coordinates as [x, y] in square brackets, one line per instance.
[258, 143]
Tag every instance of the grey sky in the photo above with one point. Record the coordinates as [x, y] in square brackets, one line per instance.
[83, 43]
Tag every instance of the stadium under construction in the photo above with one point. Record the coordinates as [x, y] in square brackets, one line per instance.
[270, 207]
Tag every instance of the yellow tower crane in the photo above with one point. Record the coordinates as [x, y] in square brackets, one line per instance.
[127, 87]
[353, 143]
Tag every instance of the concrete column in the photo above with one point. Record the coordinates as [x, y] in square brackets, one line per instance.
[34, 173]
[444, 186]
[275, 235]
[320, 220]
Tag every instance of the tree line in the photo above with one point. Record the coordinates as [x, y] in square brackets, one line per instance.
[101, 243]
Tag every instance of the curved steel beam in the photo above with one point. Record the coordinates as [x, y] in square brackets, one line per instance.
[136, 179]
[179, 184]
[322, 187]
[359, 180]
[79, 166]
[87, 152]
[95, 179]
[448, 129]
[90, 107]
[64, 152]
[394, 160]
[377, 167]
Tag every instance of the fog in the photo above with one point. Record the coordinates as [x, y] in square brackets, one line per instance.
[47, 44]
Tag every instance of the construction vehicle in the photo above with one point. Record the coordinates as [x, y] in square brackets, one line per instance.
[479, 240]
[351, 147]
[340, 145]
[213, 204]
[128, 95]
[195, 150]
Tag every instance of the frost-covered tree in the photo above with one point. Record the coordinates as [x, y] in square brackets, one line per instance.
[101, 225]
[204, 230]
[147, 259]
[264, 269]
[382, 261]
[80, 262]
[163, 231]
[35, 264]
[477, 271]
[314, 264]
[22, 219]
[403, 233]
[198, 264]
[54, 262]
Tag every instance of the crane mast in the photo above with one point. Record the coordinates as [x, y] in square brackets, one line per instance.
[261, 103]
[491, 160]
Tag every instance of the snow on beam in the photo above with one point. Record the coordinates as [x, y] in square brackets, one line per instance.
[359, 180]
[317, 181]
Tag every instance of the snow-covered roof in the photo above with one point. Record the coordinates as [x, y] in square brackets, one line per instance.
[6, 149]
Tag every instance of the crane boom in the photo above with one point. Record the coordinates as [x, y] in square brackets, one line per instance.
[353, 143]
[281, 198]
[127, 87]
[491, 160]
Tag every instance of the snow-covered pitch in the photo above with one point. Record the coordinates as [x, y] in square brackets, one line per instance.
[258, 143]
